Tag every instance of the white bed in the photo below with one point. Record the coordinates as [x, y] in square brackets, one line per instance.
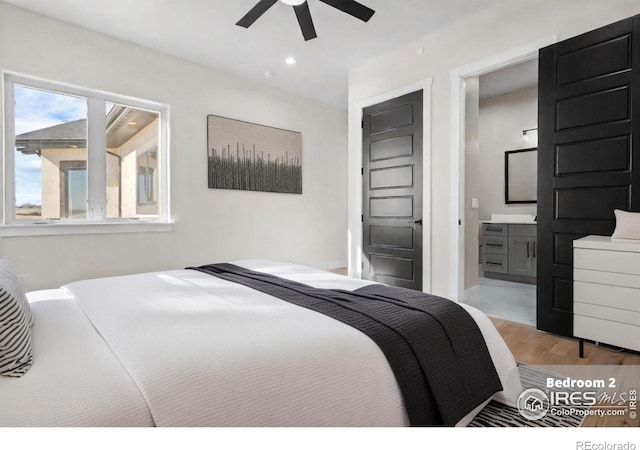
[183, 348]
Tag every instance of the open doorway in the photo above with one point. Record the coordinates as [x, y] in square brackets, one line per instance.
[500, 186]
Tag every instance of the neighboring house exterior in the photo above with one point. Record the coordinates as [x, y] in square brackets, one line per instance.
[132, 182]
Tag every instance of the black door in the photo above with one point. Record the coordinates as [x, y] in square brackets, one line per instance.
[392, 187]
[589, 141]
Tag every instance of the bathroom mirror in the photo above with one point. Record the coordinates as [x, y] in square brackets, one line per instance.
[521, 176]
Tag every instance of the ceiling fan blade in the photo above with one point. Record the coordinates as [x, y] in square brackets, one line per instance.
[254, 14]
[306, 23]
[352, 7]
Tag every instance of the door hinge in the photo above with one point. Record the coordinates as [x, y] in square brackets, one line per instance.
[362, 218]
[459, 221]
[362, 171]
[362, 265]
[362, 123]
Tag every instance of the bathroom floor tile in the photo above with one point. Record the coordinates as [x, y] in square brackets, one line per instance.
[504, 299]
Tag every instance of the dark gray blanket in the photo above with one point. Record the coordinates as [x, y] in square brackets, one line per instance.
[434, 347]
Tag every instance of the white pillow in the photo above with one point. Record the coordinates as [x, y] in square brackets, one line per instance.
[627, 225]
[15, 323]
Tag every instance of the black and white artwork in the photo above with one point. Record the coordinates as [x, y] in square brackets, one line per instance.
[252, 157]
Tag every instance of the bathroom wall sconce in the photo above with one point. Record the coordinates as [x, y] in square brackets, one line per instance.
[529, 138]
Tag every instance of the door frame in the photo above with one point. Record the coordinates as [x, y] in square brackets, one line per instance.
[355, 180]
[457, 175]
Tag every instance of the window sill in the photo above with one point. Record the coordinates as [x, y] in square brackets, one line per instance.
[62, 228]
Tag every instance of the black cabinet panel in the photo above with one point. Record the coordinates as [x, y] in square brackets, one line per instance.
[563, 248]
[593, 108]
[391, 177]
[391, 207]
[391, 148]
[604, 58]
[591, 204]
[601, 155]
[563, 294]
[398, 237]
[399, 116]
[390, 266]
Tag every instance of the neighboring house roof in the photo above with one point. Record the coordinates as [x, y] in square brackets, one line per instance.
[76, 129]
[122, 123]
[65, 135]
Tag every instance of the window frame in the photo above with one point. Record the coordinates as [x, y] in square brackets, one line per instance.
[96, 220]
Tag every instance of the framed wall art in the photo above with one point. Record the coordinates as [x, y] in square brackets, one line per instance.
[252, 157]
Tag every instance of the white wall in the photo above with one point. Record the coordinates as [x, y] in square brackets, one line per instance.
[509, 25]
[502, 120]
[210, 225]
[473, 181]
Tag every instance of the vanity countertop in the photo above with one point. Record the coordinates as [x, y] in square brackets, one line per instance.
[522, 219]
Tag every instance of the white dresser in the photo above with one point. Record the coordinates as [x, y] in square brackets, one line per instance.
[606, 291]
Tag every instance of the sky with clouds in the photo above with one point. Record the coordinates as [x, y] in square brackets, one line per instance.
[36, 109]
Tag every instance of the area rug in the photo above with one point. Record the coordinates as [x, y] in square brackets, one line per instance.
[498, 415]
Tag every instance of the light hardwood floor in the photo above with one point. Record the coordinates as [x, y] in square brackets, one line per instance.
[533, 347]
[537, 348]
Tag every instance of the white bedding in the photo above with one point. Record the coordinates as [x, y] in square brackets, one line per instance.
[195, 350]
[75, 380]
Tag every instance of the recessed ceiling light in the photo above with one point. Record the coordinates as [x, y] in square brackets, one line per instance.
[293, 2]
[290, 60]
[133, 122]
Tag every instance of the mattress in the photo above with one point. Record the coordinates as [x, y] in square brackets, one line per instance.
[182, 348]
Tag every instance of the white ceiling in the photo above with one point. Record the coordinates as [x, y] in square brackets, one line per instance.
[204, 32]
[509, 79]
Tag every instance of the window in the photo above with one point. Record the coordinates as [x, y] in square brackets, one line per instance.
[147, 182]
[75, 155]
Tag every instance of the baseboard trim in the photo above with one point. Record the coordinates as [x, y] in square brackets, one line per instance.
[338, 264]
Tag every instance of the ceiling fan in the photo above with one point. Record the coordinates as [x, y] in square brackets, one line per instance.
[303, 14]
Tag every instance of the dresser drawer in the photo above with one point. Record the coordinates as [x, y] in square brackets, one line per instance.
[496, 245]
[620, 297]
[607, 313]
[608, 278]
[614, 333]
[607, 261]
[494, 229]
[494, 263]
